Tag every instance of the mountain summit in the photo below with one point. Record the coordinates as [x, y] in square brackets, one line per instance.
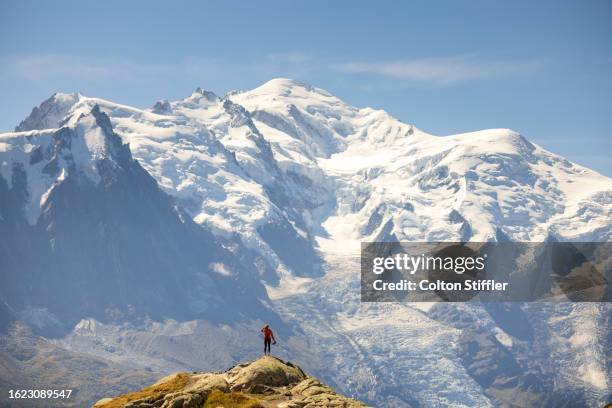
[266, 382]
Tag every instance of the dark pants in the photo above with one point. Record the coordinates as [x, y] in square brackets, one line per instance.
[267, 343]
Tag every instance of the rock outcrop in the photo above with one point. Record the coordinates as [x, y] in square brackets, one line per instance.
[266, 382]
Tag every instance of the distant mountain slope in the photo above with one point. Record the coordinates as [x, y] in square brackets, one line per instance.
[27, 361]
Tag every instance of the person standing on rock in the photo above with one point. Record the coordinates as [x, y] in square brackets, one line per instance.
[268, 338]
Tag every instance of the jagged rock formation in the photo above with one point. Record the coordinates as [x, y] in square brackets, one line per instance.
[266, 382]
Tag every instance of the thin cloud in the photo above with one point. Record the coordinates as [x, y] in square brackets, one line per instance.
[442, 70]
[53, 66]
[45, 67]
[40, 67]
[434, 71]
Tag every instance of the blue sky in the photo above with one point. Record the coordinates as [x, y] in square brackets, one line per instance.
[542, 68]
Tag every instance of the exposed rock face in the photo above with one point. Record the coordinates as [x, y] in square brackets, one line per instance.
[267, 382]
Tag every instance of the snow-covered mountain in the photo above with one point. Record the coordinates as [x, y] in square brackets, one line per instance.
[85, 230]
[306, 156]
[280, 184]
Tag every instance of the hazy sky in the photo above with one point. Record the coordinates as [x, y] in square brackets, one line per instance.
[541, 68]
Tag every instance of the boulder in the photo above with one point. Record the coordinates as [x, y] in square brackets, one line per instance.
[268, 371]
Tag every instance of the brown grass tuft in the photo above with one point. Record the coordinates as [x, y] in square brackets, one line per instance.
[175, 384]
[230, 400]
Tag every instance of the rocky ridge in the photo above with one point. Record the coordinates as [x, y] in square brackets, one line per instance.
[266, 382]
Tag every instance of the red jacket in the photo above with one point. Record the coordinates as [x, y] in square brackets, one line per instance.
[268, 333]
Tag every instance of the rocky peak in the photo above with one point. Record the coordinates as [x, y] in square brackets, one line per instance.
[266, 382]
[162, 107]
[202, 94]
[49, 113]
